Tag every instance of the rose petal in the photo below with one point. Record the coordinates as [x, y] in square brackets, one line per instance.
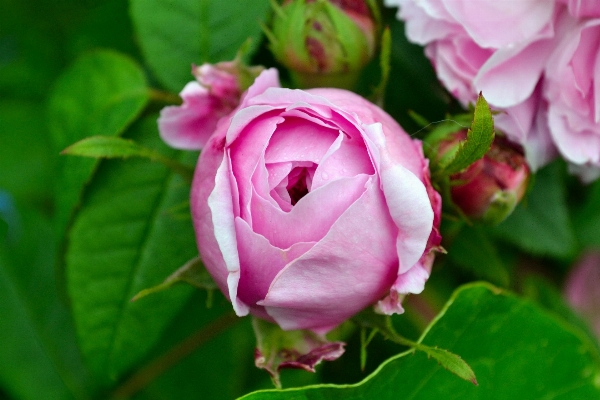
[220, 204]
[407, 200]
[261, 262]
[322, 207]
[296, 139]
[189, 125]
[493, 23]
[333, 271]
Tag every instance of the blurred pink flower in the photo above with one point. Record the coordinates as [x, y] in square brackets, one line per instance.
[581, 289]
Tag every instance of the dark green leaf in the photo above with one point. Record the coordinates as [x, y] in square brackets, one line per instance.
[479, 139]
[475, 252]
[517, 350]
[175, 34]
[126, 238]
[26, 158]
[100, 94]
[587, 218]
[40, 359]
[541, 224]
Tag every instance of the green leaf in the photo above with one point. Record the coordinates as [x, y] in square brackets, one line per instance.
[385, 65]
[126, 238]
[450, 361]
[546, 295]
[100, 94]
[175, 34]
[479, 139]
[517, 350]
[192, 272]
[473, 251]
[116, 147]
[541, 224]
[40, 359]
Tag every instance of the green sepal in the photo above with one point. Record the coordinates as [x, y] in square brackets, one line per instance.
[301, 349]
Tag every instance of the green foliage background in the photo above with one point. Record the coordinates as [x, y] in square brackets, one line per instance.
[79, 237]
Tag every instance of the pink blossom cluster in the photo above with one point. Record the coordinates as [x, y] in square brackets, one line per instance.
[536, 60]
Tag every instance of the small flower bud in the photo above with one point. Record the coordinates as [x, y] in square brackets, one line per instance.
[214, 94]
[324, 43]
[490, 188]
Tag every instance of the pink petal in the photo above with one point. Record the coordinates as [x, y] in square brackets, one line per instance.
[261, 262]
[189, 125]
[311, 218]
[349, 269]
[495, 24]
[220, 204]
[406, 198]
[296, 139]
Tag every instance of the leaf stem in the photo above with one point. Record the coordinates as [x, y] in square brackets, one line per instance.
[158, 366]
[162, 97]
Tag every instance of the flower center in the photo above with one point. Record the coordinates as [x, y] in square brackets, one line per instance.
[299, 182]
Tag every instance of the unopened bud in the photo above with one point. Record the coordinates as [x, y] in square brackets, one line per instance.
[214, 94]
[490, 188]
[324, 42]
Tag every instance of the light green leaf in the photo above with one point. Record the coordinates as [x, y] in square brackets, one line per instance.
[126, 238]
[450, 361]
[100, 94]
[517, 350]
[192, 272]
[479, 139]
[541, 224]
[175, 34]
[116, 147]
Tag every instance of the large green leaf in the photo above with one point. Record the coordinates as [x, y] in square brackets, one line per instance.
[174, 34]
[541, 224]
[40, 359]
[517, 350]
[100, 94]
[127, 236]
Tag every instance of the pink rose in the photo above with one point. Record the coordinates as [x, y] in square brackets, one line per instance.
[214, 94]
[311, 205]
[581, 289]
[496, 47]
[572, 90]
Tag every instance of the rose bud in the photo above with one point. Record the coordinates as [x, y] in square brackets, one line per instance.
[214, 94]
[491, 187]
[309, 206]
[324, 43]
